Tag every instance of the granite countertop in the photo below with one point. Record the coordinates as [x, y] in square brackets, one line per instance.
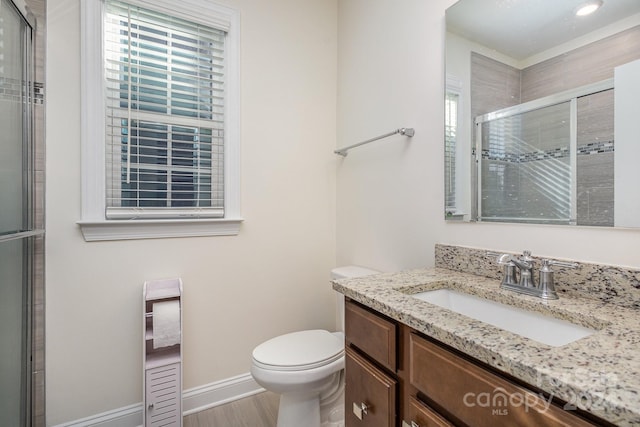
[599, 373]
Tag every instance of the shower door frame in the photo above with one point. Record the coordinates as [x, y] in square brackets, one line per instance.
[570, 96]
[28, 232]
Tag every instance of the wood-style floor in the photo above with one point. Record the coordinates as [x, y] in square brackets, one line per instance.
[259, 410]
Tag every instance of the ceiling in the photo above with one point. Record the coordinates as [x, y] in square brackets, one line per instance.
[522, 28]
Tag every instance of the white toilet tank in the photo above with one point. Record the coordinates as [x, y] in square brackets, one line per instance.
[350, 271]
[347, 272]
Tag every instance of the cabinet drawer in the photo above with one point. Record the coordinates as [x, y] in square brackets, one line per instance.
[421, 415]
[476, 396]
[370, 394]
[372, 334]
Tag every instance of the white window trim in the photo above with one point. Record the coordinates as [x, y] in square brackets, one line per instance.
[93, 224]
[454, 85]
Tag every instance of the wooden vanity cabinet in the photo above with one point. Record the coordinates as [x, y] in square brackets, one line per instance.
[370, 394]
[371, 389]
[421, 415]
[395, 377]
[474, 396]
[374, 335]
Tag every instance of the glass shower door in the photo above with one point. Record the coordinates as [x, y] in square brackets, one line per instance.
[16, 215]
[526, 170]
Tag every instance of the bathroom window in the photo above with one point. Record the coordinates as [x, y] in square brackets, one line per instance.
[164, 115]
[160, 125]
[450, 139]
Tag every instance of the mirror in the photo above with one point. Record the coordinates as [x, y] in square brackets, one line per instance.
[530, 130]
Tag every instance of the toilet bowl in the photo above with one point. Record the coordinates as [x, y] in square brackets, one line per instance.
[307, 369]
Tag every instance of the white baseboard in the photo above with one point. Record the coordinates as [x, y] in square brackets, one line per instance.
[193, 400]
[207, 396]
[128, 416]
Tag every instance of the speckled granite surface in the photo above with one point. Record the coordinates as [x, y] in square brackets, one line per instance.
[599, 373]
[607, 283]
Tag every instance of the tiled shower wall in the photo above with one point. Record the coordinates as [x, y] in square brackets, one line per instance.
[587, 64]
[595, 159]
[495, 85]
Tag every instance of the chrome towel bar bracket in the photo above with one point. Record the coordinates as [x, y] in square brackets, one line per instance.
[402, 131]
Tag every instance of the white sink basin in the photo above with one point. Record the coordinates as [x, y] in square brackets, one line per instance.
[544, 329]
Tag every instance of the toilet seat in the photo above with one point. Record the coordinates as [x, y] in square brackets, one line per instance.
[299, 351]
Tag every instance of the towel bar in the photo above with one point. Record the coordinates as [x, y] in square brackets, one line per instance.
[402, 131]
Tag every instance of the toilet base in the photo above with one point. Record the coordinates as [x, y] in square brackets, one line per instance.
[333, 415]
[296, 410]
[332, 405]
[299, 409]
[325, 409]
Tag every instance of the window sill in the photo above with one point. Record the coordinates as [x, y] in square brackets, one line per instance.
[94, 231]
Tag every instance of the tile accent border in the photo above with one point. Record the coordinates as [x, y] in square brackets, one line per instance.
[501, 154]
[554, 153]
[596, 147]
[606, 283]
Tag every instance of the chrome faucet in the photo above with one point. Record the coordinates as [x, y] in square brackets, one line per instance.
[524, 281]
[525, 264]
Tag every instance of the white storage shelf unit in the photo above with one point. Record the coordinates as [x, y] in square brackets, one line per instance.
[162, 353]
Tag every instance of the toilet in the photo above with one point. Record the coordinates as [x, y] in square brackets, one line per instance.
[307, 369]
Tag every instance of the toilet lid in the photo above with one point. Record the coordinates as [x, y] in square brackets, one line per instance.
[299, 350]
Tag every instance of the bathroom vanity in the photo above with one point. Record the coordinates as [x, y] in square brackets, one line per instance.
[434, 384]
[412, 363]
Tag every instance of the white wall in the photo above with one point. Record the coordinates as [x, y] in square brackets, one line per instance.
[239, 291]
[390, 194]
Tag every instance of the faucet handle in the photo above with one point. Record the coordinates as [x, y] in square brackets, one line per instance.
[526, 256]
[547, 284]
[501, 259]
[505, 259]
[561, 263]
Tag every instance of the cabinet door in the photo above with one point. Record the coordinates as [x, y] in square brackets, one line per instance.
[476, 396]
[371, 333]
[163, 405]
[420, 415]
[370, 394]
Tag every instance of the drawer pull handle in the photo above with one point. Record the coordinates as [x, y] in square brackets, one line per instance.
[360, 409]
[413, 424]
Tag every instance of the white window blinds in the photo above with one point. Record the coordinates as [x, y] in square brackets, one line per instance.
[165, 103]
[450, 137]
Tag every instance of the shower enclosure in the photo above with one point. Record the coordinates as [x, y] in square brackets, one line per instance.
[18, 233]
[528, 157]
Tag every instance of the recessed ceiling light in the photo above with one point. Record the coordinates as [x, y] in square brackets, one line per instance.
[589, 8]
